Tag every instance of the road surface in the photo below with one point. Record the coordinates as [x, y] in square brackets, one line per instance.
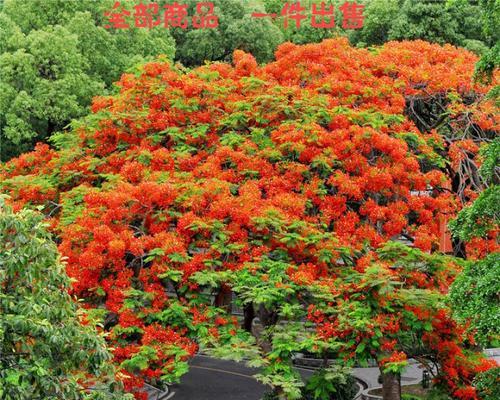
[211, 379]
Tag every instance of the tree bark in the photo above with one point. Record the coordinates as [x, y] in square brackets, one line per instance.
[267, 318]
[248, 316]
[391, 386]
[223, 298]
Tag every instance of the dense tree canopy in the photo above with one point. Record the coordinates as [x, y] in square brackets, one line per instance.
[236, 29]
[282, 183]
[491, 20]
[47, 350]
[53, 62]
[287, 186]
[458, 22]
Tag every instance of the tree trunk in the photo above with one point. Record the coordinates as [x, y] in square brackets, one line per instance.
[280, 393]
[248, 316]
[391, 386]
[324, 364]
[223, 298]
[267, 318]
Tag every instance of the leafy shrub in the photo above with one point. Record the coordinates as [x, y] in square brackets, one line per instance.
[47, 350]
[488, 384]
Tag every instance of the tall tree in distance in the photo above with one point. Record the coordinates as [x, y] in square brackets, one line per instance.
[457, 22]
[491, 22]
[55, 55]
[236, 30]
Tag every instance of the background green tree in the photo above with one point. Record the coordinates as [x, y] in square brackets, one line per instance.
[237, 29]
[491, 21]
[45, 350]
[305, 33]
[55, 55]
[474, 295]
[456, 22]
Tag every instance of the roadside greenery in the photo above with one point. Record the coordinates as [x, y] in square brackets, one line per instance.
[475, 292]
[47, 348]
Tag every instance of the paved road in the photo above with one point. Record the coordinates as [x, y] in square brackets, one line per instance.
[210, 379]
[213, 379]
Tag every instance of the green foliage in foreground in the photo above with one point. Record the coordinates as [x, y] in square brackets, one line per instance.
[488, 384]
[332, 382]
[475, 292]
[474, 296]
[45, 351]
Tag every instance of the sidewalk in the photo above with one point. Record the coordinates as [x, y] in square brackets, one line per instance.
[411, 375]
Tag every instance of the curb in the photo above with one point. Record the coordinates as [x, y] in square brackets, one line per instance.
[157, 394]
[367, 396]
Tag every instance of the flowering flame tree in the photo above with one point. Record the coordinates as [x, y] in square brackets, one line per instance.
[284, 184]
